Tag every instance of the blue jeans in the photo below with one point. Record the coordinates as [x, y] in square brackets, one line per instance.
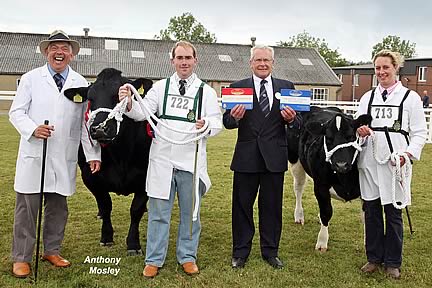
[159, 216]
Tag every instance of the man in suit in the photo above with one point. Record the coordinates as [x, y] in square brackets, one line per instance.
[259, 161]
[40, 97]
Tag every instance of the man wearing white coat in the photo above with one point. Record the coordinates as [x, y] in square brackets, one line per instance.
[398, 124]
[40, 97]
[171, 166]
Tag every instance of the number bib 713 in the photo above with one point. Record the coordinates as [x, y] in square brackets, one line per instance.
[385, 115]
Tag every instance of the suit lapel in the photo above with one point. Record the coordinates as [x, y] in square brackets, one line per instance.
[251, 84]
[276, 102]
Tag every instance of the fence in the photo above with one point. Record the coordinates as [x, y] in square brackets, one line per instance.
[347, 107]
[351, 108]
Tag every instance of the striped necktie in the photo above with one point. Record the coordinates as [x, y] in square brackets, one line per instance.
[264, 101]
[58, 80]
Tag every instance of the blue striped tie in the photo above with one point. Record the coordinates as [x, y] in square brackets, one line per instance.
[264, 101]
[58, 80]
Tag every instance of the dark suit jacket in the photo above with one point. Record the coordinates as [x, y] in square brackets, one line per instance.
[261, 141]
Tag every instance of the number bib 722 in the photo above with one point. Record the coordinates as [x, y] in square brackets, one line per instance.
[179, 107]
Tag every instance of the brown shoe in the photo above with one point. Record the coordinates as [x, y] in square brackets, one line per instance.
[56, 260]
[369, 267]
[190, 268]
[21, 269]
[150, 271]
[392, 272]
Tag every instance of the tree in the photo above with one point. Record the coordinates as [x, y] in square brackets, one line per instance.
[186, 27]
[394, 43]
[305, 40]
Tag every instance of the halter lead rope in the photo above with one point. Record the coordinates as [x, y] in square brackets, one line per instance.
[202, 132]
[118, 111]
[399, 174]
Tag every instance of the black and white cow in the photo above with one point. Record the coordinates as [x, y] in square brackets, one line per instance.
[125, 151]
[327, 149]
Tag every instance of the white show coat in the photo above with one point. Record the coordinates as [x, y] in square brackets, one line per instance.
[165, 156]
[375, 179]
[38, 99]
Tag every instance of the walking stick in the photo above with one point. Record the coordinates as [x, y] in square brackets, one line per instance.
[386, 132]
[41, 202]
[195, 181]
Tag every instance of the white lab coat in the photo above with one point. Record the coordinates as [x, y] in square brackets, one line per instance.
[371, 173]
[38, 99]
[165, 156]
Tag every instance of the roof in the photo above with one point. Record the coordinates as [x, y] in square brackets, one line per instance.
[361, 66]
[19, 54]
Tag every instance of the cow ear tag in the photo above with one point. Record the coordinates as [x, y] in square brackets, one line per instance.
[141, 90]
[77, 98]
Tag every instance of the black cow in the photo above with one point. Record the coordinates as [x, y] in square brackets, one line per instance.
[124, 155]
[335, 176]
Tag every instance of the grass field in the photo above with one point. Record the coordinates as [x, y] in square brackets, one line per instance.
[304, 267]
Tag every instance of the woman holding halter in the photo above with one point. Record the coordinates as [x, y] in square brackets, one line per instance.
[395, 137]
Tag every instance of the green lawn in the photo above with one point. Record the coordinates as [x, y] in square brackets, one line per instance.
[304, 267]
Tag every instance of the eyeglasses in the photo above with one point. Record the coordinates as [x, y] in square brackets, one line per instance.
[265, 60]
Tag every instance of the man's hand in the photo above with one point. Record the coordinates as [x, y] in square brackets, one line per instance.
[288, 114]
[94, 165]
[238, 112]
[124, 91]
[43, 131]
[199, 123]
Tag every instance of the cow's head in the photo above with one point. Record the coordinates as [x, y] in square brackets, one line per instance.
[339, 130]
[103, 93]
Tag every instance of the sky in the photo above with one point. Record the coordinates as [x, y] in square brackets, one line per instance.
[351, 27]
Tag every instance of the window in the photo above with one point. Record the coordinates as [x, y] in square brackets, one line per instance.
[38, 50]
[320, 94]
[85, 51]
[111, 44]
[356, 80]
[305, 62]
[137, 54]
[374, 81]
[225, 58]
[422, 74]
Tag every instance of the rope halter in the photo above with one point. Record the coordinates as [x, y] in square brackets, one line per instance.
[116, 113]
[355, 144]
